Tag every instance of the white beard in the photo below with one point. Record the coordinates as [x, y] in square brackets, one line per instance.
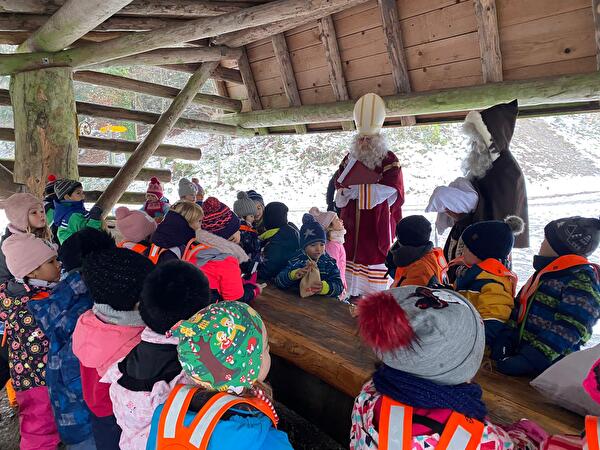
[369, 150]
[481, 157]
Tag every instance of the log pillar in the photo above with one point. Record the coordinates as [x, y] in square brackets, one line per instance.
[45, 126]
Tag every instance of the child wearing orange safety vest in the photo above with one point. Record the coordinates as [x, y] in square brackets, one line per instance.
[136, 227]
[413, 260]
[559, 305]
[430, 343]
[224, 350]
[485, 280]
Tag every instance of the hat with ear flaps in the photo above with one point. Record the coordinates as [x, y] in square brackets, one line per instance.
[496, 124]
[434, 334]
[369, 114]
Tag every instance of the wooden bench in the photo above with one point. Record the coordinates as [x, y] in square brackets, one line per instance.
[319, 336]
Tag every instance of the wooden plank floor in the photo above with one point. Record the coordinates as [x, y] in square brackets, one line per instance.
[320, 336]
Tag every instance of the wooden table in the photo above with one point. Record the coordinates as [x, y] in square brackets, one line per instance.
[319, 335]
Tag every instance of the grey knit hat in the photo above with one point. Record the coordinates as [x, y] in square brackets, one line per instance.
[65, 186]
[186, 187]
[435, 334]
[244, 205]
[573, 235]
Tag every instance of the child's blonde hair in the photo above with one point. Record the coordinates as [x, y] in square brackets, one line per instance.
[190, 211]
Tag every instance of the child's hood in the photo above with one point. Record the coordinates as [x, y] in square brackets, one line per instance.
[173, 231]
[64, 209]
[99, 345]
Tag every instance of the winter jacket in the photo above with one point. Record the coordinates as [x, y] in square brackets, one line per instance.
[99, 345]
[249, 241]
[57, 316]
[555, 320]
[415, 266]
[173, 232]
[330, 275]
[364, 434]
[25, 339]
[70, 217]
[239, 429]
[156, 210]
[490, 287]
[337, 251]
[140, 383]
[279, 246]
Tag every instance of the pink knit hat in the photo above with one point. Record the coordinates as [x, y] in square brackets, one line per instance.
[17, 208]
[134, 225]
[25, 253]
[324, 218]
[154, 187]
[592, 382]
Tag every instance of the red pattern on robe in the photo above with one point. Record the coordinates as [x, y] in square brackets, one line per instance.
[369, 233]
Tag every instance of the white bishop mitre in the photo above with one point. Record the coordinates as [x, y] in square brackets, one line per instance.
[369, 114]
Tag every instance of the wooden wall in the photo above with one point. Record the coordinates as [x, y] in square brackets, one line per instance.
[537, 38]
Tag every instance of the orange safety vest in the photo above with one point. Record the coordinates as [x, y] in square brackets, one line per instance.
[441, 269]
[191, 249]
[495, 267]
[592, 433]
[395, 429]
[560, 263]
[134, 246]
[174, 435]
[248, 228]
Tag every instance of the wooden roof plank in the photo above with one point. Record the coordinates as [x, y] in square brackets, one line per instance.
[596, 13]
[250, 84]
[489, 40]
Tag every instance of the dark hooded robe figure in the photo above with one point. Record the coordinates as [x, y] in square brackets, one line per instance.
[494, 174]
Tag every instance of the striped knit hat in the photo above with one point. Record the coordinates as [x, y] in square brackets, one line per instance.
[219, 219]
[49, 188]
[154, 187]
[64, 187]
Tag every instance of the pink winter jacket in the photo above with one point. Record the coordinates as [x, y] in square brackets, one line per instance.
[98, 345]
[134, 410]
[336, 251]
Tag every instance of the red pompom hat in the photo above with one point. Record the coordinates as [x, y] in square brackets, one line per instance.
[154, 187]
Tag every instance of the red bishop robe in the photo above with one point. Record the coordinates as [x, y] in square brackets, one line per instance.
[370, 232]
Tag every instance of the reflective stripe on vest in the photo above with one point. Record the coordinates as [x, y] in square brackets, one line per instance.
[173, 434]
[155, 253]
[560, 263]
[136, 247]
[441, 272]
[592, 433]
[395, 429]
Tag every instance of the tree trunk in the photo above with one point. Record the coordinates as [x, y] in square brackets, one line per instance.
[45, 126]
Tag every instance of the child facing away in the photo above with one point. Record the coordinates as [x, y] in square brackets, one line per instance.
[57, 316]
[224, 350]
[36, 270]
[187, 190]
[140, 382]
[279, 242]
[109, 331]
[486, 281]
[334, 228]
[431, 344]
[559, 305]
[312, 244]
[245, 208]
[413, 260]
[156, 205]
[136, 227]
[70, 214]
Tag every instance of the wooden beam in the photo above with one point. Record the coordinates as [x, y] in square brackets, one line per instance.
[221, 73]
[286, 70]
[395, 49]
[7, 186]
[542, 91]
[250, 84]
[122, 146]
[489, 40]
[165, 56]
[309, 14]
[127, 198]
[159, 131]
[72, 21]
[104, 171]
[596, 12]
[144, 87]
[334, 64]
[160, 8]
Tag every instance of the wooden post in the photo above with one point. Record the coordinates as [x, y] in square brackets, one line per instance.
[250, 84]
[395, 49]
[489, 40]
[334, 64]
[596, 12]
[146, 149]
[73, 20]
[45, 126]
[7, 186]
[282, 55]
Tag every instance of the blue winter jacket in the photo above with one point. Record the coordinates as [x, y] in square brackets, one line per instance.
[250, 431]
[279, 245]
[328, 269]
[57, 316]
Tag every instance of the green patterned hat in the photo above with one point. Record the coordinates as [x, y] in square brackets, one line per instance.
[221, 346]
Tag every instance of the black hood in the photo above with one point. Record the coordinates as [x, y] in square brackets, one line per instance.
[500, 121]
[173, 231]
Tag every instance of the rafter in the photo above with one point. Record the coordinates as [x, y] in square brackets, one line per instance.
[395, 49]
[334, 64]
[250, 84]
[489, 40]
[286, 70]
[220, 73]
[596, 12]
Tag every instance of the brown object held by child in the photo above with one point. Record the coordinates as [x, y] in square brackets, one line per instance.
[311, 284]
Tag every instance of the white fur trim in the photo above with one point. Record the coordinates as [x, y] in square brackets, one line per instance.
[475, 118]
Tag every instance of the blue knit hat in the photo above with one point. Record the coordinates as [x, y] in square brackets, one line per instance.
[311, 231]
[493, 238]
[253, 195]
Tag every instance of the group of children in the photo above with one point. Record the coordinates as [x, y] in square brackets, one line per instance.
[143, 343]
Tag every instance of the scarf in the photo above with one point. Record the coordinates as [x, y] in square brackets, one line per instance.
[38, 284]
[337, 236]
[421, 393]
[109, 315]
